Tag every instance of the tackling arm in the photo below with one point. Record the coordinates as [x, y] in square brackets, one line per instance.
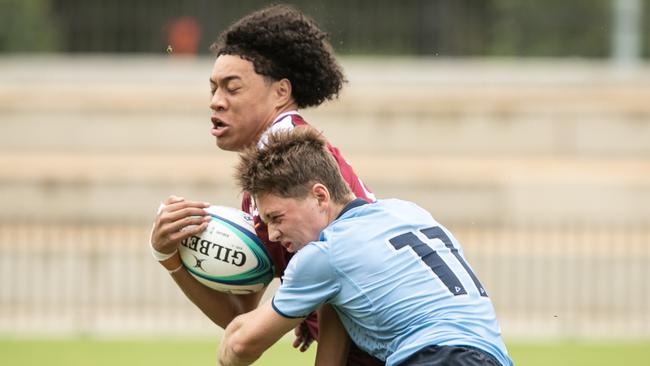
[250, 334]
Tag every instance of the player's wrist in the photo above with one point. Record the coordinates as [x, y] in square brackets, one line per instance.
[160, 256]
[172, 264]
[172, 271]
[157, 254]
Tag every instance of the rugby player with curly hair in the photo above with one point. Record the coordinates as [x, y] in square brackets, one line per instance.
[269, 64]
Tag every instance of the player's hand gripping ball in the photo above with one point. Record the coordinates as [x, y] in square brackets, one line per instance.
[228, 256]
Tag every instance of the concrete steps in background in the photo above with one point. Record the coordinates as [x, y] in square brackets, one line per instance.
[106, 138]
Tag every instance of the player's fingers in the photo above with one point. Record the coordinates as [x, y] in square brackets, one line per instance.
[297, 331]
[165, 236]
[178, 210]
[173, 208]
[306, 344]
[195, 228]
[299, 343]
[298, 340]
[169, 222]
[173, 199]
[181, 215]
[187, 227]
[173, 215]
[186, 222]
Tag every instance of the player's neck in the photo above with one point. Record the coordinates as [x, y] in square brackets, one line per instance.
[337, 208]
[282, 110]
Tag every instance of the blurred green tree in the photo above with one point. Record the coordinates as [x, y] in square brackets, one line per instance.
[27, 25]
[510, 28]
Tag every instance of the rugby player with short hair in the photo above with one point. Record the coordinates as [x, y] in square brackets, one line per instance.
[398, 280]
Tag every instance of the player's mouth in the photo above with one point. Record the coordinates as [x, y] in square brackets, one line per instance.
[219, 127]
[288, 246]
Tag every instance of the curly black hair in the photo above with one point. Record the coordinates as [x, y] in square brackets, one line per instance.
[282, 42]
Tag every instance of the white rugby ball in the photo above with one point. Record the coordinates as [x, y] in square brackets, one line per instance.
[228, 256]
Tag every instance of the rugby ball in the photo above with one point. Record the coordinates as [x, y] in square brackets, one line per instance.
[228, 256]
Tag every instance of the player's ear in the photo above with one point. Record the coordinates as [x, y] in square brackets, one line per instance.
[283, 91]
[321, 193]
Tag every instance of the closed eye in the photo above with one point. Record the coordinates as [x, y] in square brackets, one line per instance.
[276, 219]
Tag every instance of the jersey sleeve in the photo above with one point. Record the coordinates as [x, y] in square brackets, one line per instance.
[308, 282]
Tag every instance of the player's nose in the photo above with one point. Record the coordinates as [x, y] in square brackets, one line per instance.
[274, 233]
[218, 102]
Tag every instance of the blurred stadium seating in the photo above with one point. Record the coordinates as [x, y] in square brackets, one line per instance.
[541, 169]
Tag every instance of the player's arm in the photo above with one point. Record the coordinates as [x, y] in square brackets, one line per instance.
[333, 340]
[220, 307]
[179, 219]
[250, 334]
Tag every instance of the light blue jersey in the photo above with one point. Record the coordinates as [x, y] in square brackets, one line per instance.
[398, 280]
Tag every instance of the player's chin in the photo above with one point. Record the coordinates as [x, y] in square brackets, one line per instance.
[221, 144]
[228, 144]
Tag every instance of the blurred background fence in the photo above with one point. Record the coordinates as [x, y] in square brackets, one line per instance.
[554, 28]
[538, 160]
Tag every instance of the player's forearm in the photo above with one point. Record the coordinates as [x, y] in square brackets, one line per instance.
[220, 307]
[234, 350]
[230, 356]
[249, 335]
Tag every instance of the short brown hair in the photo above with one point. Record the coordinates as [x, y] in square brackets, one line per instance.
[289, 164]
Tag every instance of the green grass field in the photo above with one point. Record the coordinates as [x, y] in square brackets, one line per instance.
[166, 352]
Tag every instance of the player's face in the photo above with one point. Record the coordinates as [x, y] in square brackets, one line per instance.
[292, 222]
[243, 103]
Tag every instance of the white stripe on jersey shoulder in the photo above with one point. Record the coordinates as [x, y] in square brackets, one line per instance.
[368, 194]
[281, 122]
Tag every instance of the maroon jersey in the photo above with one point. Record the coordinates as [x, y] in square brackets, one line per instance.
[279, 254]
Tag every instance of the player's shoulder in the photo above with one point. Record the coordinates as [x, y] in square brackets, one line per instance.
[288, 121]
[346, 225]
[383, 213]
[284, 122]
[313, 257]
[396, 209]
[386, 205]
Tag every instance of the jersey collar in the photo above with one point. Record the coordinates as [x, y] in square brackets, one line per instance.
[275, 126]
[355, 203]
[281, 116]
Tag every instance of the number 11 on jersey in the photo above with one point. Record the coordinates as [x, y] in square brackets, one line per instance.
[433, 260]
